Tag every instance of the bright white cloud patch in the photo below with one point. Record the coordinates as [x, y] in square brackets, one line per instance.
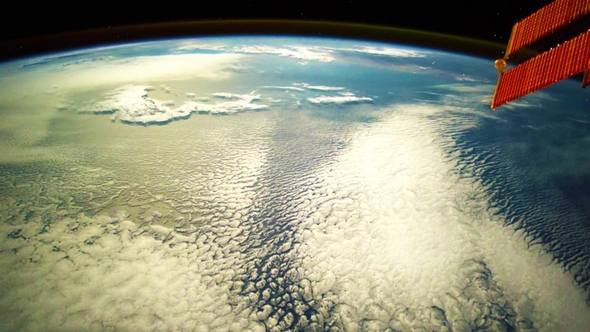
[385, 51]
[323, 88]
[305, 86]
[397, 241]
[296, 52]
[232, 96]
[391, 51]
[130, 104]
[319, 87]
[306, 53]
[339, 99]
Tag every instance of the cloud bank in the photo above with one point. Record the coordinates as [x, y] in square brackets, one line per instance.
[296, 52]
[347, 99]
[319, 87]
[388, 51]
[130, 104]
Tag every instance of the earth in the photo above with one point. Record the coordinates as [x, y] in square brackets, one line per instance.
[274, 183]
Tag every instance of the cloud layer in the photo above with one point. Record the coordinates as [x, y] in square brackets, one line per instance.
[306, 53]
[283, 220]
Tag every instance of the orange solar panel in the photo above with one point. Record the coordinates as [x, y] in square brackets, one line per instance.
[545, 21]
[563, 61]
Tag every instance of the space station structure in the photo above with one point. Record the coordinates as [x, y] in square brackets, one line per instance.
[548, 46]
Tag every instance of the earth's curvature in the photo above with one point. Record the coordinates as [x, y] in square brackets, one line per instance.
[270, 183]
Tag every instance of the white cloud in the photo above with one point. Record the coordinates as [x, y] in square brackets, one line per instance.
[398, 219]
[339, 99]
[386, 51]
[130, 104]
[324, 88]
[115, 272]
[296, 52]
[232, 96]
[238, 104]
[304, 86]
[306, 53]
[319, 87]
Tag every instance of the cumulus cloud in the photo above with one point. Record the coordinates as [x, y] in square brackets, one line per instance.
[296, 52]
[324, 88]
[133, 273]
[130, 104]
[384, 234]
[399, 220]
[238, 103]
[319, 87]
[348, 99]
[380, 232]
[232, 96]
[343, 97]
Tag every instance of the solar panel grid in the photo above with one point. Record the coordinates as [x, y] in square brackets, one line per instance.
[546, 21]
[563, 61]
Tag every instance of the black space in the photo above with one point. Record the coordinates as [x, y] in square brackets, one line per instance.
[484, 20]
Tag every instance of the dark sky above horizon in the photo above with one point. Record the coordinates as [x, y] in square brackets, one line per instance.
[485, 20]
